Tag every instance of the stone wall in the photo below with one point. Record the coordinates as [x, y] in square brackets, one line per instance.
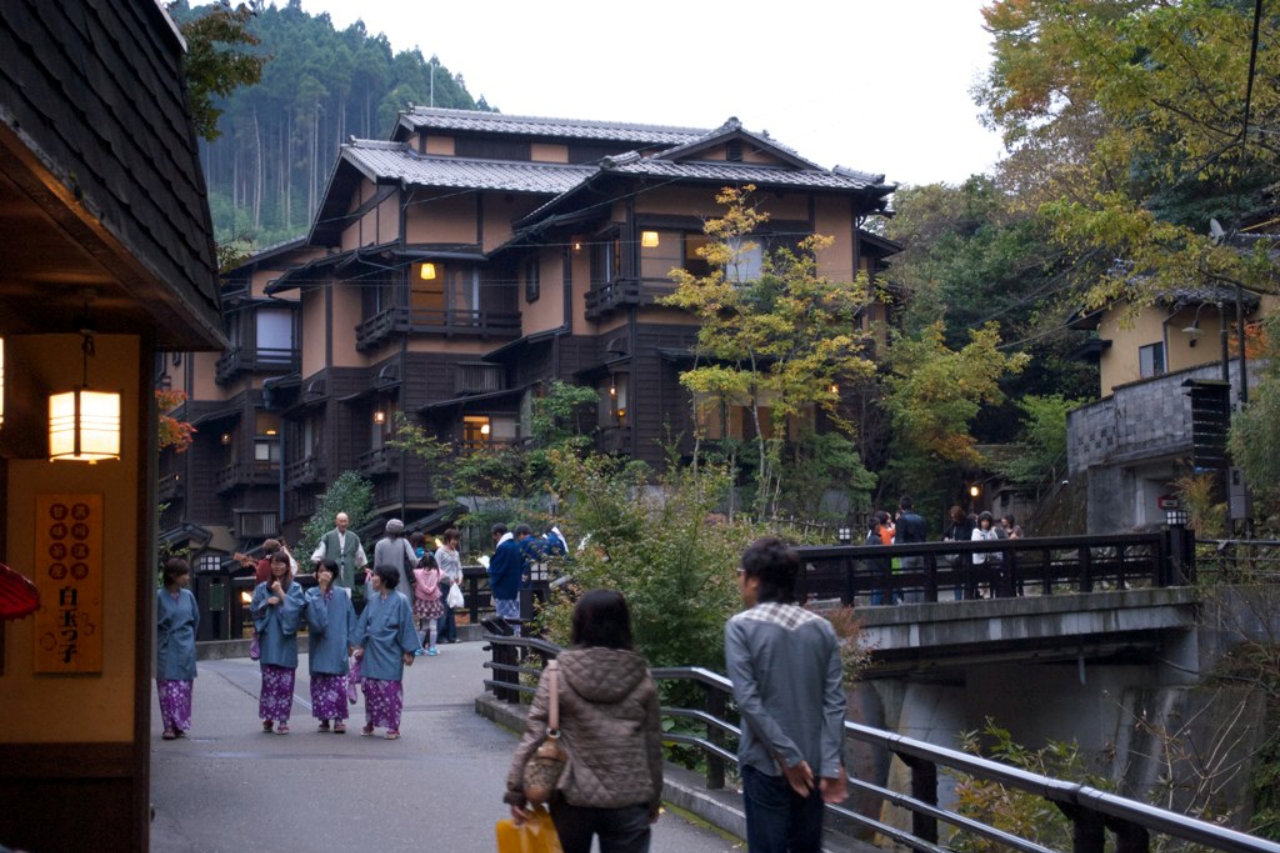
[1145, 419]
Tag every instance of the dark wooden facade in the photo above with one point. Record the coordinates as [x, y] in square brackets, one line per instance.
[106, 225]
[461, 266]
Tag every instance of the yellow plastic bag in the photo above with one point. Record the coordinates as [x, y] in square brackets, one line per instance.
[536, 835]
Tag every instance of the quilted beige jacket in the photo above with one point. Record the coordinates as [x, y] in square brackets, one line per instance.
[609, 726]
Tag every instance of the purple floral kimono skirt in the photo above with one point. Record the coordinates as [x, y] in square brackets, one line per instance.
[175, 704]
[329, 697]
[276, 700]
[383, 702]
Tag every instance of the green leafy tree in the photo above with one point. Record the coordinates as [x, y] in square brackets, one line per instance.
[220, 59]
[933, 394]
[1126, 121]
[1043, 441]
[1255, 435]
[662, 545]
[349, 493]
[780, 343]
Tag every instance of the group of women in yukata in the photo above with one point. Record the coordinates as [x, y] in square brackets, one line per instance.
[371, 650]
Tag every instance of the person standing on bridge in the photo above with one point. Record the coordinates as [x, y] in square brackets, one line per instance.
[909, 530]
[784, 662]
[277, 611]
[177, 621]
[385, 642]
[332, 620]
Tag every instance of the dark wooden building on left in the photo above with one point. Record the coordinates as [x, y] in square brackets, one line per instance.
[106, 229]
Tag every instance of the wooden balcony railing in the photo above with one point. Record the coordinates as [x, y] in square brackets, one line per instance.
[479, 323]
[382, 460]
[604, 297]
[257, 473]
[171, 486]
[260, 360]
[308, 470]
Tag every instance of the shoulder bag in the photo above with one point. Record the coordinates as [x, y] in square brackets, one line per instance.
[542, 770]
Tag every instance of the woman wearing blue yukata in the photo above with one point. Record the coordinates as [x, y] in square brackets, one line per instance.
[385, 642]
[277, 611]
[332, 621]
[177, 619]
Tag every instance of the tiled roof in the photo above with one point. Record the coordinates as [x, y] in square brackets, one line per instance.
[744, 173]
[398, 161]
[733, 127]
[471, 120]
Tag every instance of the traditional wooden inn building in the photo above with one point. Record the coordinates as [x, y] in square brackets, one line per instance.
[451, 273]
[107, 259]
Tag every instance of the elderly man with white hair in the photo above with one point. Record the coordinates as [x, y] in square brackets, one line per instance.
[344, 548]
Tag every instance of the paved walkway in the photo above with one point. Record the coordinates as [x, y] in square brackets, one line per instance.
[229, 787]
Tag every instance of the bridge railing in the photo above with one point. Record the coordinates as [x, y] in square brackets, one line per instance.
[1000, 568]
[1093, 812]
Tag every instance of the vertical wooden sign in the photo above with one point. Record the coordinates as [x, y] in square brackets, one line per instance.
[68, 571]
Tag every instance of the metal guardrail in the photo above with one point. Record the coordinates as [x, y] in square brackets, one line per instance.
[1093, 812]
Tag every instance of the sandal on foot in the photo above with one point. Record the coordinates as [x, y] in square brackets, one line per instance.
[339, 728]
[266, 726]
[324, 726]
[179, 732]
[367, 731]
[168, 734]
[282, 729]
[391, 734]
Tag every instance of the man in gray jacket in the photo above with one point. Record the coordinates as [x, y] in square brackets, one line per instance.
[785, 665]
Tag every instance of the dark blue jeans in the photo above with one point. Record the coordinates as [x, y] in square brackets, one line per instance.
[446, 627]
[621, 830]
[778, 819]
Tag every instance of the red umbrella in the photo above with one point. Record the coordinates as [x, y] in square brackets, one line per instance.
[18, 596]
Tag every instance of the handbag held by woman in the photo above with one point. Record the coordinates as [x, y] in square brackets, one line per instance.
[542, 770]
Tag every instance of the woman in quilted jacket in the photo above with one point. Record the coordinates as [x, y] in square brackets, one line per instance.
[611, 786]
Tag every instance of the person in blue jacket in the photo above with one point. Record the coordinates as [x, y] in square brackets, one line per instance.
[332, 620]
[177, 620]
[386, 641]
[277, 612]
[505, 569]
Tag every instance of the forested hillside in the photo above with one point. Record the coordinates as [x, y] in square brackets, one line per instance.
[280, 138]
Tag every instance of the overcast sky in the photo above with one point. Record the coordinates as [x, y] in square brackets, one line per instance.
[876, 85]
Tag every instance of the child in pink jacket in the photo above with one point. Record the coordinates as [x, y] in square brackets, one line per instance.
[428, 603]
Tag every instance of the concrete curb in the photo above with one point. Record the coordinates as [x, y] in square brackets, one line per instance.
[682, 788]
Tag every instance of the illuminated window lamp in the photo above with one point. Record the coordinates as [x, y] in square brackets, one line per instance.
[427, 272]
[649, 239]
[484, 430]
[379, 417]
[84, 425]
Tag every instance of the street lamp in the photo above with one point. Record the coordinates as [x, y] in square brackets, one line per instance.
[1176, 517]
[845, 535]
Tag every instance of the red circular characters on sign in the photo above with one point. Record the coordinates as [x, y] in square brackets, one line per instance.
[57, 571]
[58, 531]
[79, 571]
[58, 512]
[80, 531]
[79, 551]
[80, 512]
[58, 551]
